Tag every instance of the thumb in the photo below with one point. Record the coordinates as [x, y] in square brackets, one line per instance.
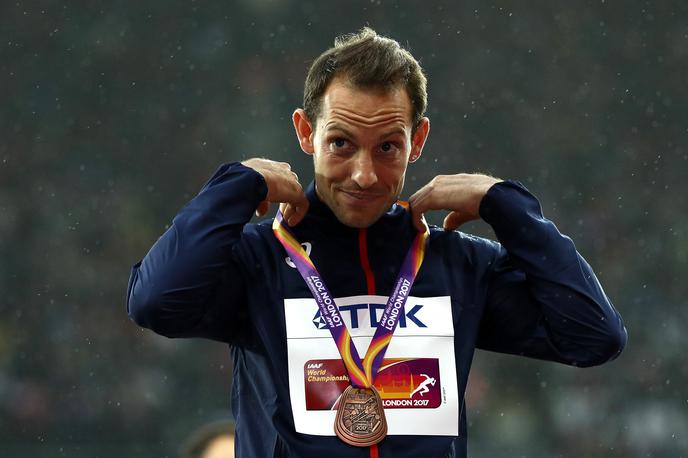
[453, 220]
[418, 219]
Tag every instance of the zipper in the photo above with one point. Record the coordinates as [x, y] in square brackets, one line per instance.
[370, 287]
[365, 263]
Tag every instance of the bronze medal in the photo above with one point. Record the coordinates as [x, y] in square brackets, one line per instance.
[360, 417]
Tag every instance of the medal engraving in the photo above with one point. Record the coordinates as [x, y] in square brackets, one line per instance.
[360, 417]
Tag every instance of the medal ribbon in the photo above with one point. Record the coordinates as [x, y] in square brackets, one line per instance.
[361, 373]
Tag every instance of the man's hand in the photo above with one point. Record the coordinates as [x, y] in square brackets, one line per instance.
[459, 194]
[283, 188]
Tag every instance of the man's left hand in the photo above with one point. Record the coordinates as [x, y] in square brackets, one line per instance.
[459, 194]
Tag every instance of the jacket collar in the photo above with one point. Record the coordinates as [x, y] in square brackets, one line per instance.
[397, 218]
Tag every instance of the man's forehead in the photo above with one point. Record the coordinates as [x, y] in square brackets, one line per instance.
[365, 107]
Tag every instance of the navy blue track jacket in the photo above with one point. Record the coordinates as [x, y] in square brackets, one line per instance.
[214, 275]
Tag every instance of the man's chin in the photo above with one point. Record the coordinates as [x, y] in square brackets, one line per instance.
[357, 220]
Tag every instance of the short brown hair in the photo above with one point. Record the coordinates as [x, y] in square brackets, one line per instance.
[366, 60]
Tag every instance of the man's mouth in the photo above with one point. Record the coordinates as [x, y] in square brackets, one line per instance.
[362, 196]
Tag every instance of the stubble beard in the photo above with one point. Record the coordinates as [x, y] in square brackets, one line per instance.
[344, 218]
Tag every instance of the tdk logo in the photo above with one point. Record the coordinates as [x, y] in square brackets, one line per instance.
[373, 309]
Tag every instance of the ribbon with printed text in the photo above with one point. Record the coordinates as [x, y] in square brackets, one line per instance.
[361, 372]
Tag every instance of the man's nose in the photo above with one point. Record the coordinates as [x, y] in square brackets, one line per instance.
[363, 172]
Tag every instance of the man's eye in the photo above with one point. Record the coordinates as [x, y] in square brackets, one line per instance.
[339, 142]
[388, 147]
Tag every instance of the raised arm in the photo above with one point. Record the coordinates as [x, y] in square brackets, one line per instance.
[190, 284]
[543, 299]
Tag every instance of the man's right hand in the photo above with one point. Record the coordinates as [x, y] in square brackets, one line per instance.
[283, 188]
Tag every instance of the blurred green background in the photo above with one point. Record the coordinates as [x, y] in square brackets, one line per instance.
[113, 114]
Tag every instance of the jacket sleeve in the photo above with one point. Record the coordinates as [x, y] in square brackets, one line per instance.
[189, 285]
[543, 299]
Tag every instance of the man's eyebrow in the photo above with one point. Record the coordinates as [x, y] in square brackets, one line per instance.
[346, 132]
[398, 131]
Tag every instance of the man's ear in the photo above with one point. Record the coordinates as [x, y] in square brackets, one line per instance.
[418, 140]
[304, 130]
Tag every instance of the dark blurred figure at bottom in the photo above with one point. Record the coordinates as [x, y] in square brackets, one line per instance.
[210, 440]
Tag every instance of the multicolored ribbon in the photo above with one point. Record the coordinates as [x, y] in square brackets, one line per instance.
[361, 373]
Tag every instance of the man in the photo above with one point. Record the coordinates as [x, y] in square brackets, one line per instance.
[214, 275]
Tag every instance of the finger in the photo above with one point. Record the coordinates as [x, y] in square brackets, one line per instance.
[280, 180]
[422, 200]
[300, 211]
[451, 221]
[418, 203]
[418, 197]
[455, 219]
[290, 191]
[417, 217]
[424, 224]
[262, 208]
[297, 210]
[287, 212]
[290, 214]
[297, 203]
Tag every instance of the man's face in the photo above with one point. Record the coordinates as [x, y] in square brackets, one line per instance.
[361, 147]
